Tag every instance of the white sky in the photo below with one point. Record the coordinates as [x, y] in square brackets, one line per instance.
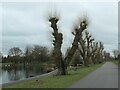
[24, 23]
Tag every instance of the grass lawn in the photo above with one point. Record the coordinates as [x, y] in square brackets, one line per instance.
[57, 81]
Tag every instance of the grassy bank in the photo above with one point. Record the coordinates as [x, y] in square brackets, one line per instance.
[116, 62]
[57, 81]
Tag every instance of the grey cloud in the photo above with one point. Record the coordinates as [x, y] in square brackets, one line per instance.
[25, 23]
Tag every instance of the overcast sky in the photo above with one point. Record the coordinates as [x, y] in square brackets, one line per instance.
[25, 23]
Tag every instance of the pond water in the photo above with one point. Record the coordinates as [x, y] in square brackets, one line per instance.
[13, 73]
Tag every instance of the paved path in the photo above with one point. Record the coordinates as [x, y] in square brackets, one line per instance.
[104, 77]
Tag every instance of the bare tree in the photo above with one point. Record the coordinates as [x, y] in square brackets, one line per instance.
[15, 53]
[116, 53]
[99, 52]
[94, 46]
[57, 42]
[86, 47]
[106, 56]
[36, 54]
[40, 53]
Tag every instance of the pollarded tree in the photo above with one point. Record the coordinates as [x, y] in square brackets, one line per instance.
[116, 53]
[61, 62]
[94, 46]
[97, 57]
[106, 56]
[85, 47]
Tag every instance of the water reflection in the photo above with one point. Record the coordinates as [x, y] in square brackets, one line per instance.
[13, 73]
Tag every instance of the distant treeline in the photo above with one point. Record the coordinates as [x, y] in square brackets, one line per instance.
[36, 53]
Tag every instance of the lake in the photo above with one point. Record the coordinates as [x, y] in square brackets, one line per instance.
[13, 73]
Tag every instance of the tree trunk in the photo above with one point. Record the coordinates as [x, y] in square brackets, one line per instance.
[62, 70]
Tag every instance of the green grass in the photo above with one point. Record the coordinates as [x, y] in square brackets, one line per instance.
[57, 81]
[116, 62]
